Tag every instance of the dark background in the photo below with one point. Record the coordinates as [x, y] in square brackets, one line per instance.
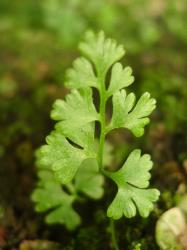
[38, 42]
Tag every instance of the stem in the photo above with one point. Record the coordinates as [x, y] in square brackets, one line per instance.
[102, 110]
[113, 233]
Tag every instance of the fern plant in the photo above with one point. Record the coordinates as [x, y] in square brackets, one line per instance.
[73, 162]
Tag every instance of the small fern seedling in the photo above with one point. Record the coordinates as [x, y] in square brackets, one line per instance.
[72, 164]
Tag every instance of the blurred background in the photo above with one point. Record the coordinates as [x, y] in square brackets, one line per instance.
[38, 42]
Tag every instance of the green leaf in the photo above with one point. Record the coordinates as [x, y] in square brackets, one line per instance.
[108, 156]
[132, 179]
[81, 75]
[101, 51]
[120, 78]
[49, 196]
[88, 180]
[75, 116]
[125, 116]
[64, 214]
[60, 156]
[137, 247]
[71, 151]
